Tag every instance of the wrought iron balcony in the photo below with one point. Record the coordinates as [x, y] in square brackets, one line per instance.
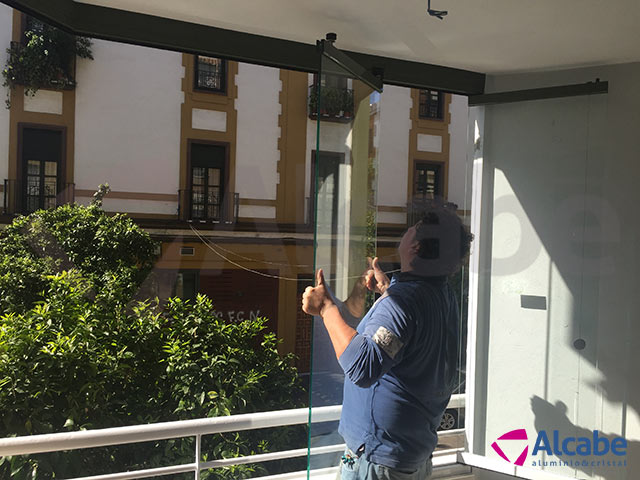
[335, 104]
[17, 200]
[193, 208]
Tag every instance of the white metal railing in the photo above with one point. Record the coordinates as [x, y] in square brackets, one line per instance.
[55, 442]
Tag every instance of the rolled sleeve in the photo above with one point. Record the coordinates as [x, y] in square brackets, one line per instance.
[374, 351]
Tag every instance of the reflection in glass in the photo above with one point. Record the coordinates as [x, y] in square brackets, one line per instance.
[344, 197]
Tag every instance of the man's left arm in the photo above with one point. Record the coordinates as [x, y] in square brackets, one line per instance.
[364, 358]
[317, 301]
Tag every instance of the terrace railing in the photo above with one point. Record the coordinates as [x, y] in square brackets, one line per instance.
[444, 460]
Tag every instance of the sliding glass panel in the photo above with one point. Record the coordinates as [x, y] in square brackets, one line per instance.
[344, 164]
[546, 389]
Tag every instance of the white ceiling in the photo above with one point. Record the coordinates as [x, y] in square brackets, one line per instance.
[488, 36]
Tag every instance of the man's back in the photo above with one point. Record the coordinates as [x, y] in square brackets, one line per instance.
[399, 372]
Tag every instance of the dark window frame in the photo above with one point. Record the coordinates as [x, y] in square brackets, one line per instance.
[342, 159]
[225, 187]
[425, 105]
[223, 77]
[439, 186]
[21, 170]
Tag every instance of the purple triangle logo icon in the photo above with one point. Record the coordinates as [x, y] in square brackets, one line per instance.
[519, 434]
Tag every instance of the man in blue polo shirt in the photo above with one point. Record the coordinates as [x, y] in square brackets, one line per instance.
[400, 362]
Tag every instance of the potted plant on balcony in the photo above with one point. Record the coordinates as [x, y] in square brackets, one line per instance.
[313, 100]
[347, 103]
[46, 59]
[333, 100]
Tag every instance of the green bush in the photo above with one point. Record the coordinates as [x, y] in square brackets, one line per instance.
[77, 352]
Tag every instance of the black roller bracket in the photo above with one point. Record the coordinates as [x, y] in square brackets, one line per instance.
[436, 13]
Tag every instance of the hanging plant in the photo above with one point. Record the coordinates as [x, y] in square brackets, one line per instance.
[46, 59]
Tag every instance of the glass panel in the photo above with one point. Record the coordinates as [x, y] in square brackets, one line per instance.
[50, 169]
[198, 194]
[431, 104]
[33, 186]
[541, 279]
[197, 211]
[198, 175]
[50, 186]
[345, 166]
[213, 212]
[33, 167]
[209, 72]
[214, 195]
[226, 352]
[173, 360]
[214, 176]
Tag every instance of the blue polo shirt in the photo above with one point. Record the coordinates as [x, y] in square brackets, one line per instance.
[400, 371]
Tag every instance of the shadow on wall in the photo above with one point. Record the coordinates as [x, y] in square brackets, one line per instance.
[550, 417]
[556, 166]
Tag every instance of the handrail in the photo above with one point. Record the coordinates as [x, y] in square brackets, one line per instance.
[184, 428]
[165, 430]
[52, 442]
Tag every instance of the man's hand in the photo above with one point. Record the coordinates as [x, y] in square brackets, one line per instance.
[375, 279]
[315, 300]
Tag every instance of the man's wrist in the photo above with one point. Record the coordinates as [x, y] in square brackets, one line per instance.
[326, 306]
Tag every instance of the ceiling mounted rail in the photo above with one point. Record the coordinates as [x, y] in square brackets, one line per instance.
[171, 34]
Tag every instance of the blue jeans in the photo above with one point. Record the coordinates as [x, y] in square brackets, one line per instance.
[361, 469]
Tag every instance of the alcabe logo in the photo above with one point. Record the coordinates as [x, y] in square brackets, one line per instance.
[519, 434]
[597, 445]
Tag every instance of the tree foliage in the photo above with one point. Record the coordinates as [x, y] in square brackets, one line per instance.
[78, 351]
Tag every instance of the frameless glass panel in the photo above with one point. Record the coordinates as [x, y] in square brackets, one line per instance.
[225, 345]
[344, 167]
[548, 233]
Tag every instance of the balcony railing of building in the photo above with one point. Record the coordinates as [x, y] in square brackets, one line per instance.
[225, 212]
[15, 197]
[336, 104]
[444, 460]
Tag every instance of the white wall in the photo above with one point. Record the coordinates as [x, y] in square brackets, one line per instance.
[560, 186]
[6, 19]
[393, 153]
[459, 193]
[257, 153]
[134, 206]
[128, 119]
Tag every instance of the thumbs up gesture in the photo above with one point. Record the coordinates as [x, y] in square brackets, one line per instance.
[316, 299]
[374, 278]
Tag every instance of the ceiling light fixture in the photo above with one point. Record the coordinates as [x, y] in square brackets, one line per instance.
[436, 13]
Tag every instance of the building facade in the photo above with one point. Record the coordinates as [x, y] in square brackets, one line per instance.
[216, 159]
